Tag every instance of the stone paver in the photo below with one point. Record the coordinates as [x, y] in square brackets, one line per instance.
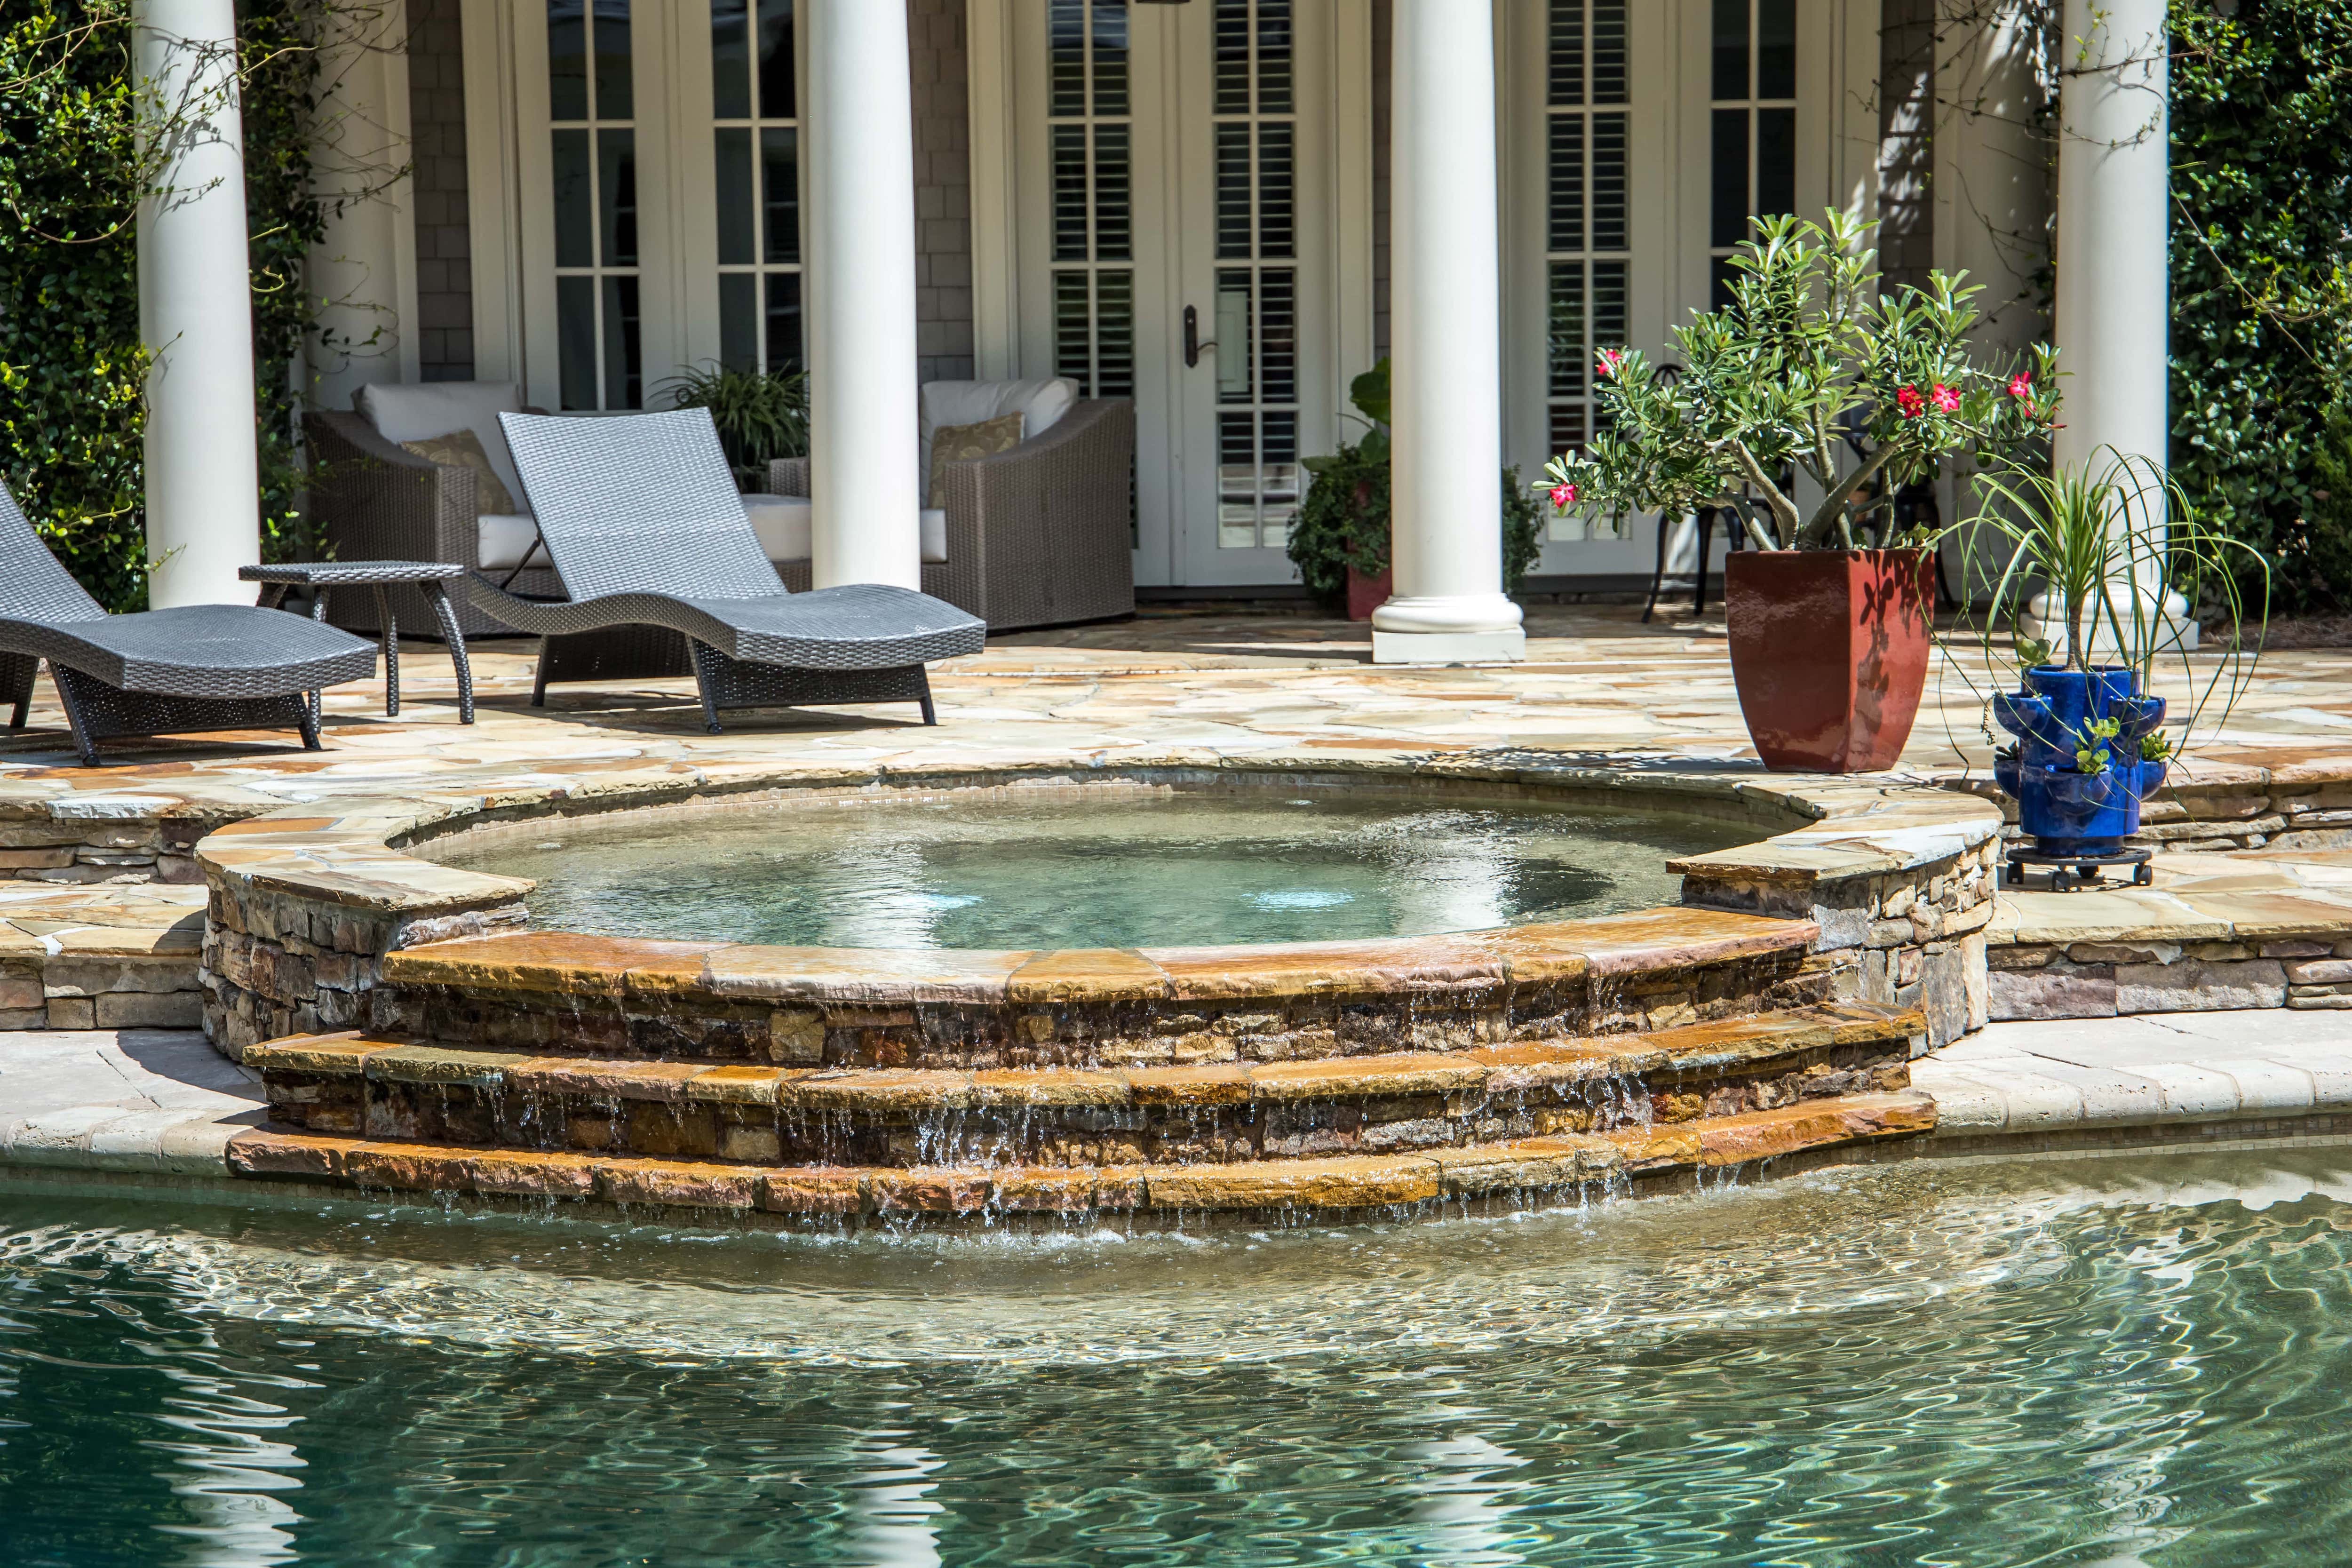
[154, 1100]
[2015, 1078]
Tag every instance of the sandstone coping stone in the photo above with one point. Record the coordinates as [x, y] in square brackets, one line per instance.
[2193, 1092]
[2265, 1087]
[558, 961]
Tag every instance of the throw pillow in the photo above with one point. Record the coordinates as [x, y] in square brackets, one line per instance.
[463, 450]
[962, 443]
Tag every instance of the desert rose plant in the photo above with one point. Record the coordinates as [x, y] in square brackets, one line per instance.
[1809, 369]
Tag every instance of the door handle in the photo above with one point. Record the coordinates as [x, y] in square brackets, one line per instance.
[1192, 343]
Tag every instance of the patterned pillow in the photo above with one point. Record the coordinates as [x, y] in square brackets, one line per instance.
[962, 443]
[463, 450]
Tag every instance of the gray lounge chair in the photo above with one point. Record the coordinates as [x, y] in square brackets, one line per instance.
[159, 672]
[641, 517]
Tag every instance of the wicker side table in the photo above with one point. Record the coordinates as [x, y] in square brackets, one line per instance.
[323, 576]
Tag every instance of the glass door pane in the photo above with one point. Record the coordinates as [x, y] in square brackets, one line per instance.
[593, 151]
[755, 107]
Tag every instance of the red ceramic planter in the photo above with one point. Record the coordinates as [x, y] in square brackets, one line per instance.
[1829, 650]
[1366, 594]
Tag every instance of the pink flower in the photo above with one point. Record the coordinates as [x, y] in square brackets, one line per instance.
[2020, 385]
[1609, 360]
[1946, 399]
[1562, 497]
[1908, 402]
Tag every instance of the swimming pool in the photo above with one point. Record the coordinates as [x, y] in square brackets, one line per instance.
[2072, 1363]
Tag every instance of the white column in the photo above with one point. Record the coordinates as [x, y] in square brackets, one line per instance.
[2113, 292]
[865, 503]
[1445, 332]
[2114, 200]
[196, 309]
[1992, 192]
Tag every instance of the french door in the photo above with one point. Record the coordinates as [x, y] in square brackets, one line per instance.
[1175, 232]
[636, 209]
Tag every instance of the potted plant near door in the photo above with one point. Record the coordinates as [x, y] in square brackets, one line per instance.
[2105, 546]
[1810, 371]
[1339, 541]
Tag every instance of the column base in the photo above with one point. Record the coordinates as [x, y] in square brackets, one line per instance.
[1449, 647]
[2044, 620]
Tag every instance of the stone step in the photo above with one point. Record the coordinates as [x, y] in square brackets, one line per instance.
[1520, 1169]
[372, 1087]
[561, 993]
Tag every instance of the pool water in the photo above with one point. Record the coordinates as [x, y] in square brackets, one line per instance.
[2089, 1361]
[1098, 866]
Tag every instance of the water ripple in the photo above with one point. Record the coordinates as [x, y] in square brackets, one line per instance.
[2091, 1363]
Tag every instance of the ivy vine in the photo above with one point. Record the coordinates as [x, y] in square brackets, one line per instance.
[72, 367]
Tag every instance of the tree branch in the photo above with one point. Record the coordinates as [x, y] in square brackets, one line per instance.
[1834, 507]
[1784, 510]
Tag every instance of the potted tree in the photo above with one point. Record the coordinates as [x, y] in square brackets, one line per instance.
[1811, 383]
[2107, 546]
[1340, 540]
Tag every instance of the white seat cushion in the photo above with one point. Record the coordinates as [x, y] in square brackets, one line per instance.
[503, 538]
[1040, 403]
[436, 408]
[782, 524]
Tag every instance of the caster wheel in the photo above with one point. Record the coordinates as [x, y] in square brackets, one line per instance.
[2013, 874]
[2143, 875]
[2062, 880]
[2087, 875]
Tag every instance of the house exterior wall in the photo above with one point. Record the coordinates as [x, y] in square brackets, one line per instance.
[437, 120]
[935, 30]
[1907, 140]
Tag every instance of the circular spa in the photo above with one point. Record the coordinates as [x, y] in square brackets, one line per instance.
[1092, 866]
[1142, 997]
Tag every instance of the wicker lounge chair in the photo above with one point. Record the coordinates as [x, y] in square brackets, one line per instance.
[640, 515]
[200, 667]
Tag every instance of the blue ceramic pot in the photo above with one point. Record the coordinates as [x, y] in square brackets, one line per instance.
[2067, 811]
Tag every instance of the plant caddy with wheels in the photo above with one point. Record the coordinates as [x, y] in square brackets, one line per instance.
[2105, 545]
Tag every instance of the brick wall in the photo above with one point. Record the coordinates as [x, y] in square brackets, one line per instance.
[436, 121]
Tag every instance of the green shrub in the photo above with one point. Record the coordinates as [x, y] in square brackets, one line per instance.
[759, 415]
[1343, 521]
[2262, 281]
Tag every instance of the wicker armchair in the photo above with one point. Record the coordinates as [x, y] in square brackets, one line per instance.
[1036, 536]
[379, 501]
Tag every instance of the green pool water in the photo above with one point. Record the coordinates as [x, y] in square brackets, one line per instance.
[2105, 1363]
[1102, 867]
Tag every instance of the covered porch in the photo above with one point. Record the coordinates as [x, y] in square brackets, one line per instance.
[1215, 212]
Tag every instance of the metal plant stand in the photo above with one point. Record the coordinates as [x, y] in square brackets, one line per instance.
[322, 576]
[2068, 872]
